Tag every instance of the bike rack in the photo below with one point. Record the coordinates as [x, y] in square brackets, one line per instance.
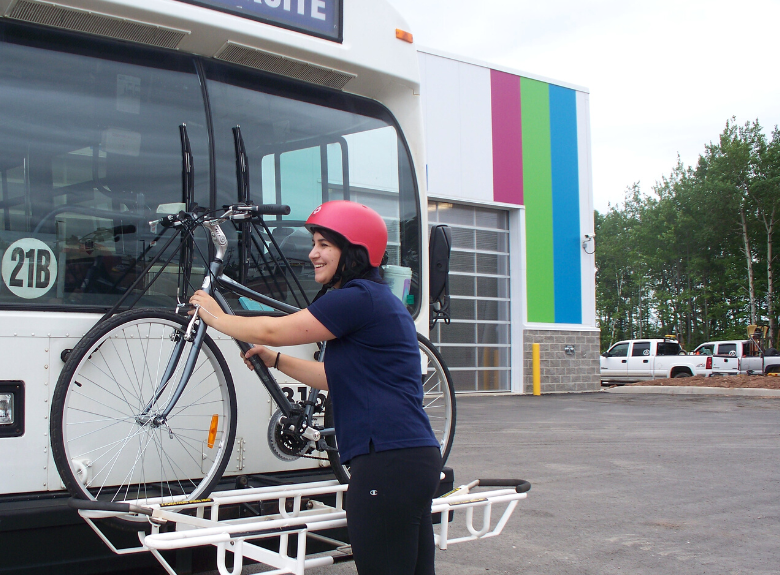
[300, 516]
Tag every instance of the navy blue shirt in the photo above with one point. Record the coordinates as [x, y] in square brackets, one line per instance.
[373, 369]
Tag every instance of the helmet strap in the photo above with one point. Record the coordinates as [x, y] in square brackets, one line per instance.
[322, 292]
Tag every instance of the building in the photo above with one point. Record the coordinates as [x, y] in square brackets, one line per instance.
[508, 167]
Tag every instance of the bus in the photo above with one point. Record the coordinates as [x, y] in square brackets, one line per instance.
[112, 109]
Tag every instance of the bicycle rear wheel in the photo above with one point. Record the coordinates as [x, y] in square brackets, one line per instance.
[439, 395]
[107, 444]
[438, 402]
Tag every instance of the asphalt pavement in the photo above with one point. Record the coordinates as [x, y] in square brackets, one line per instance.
[623, 483]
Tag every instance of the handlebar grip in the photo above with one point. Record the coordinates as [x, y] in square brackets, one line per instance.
[108, 506]
[520, 485]
[257, 363]
[271, 210]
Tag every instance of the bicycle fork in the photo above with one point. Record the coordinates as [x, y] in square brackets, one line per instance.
[199, 327]
[181, 339]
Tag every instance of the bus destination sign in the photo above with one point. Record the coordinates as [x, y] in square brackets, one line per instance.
[322, 18]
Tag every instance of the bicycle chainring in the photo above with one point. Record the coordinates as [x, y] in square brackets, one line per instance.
[283, 446]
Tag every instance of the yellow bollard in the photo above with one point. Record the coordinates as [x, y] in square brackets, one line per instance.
[537, 370]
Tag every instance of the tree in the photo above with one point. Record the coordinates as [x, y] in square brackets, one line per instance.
[732, 173]
[765, 193]
[686, 258]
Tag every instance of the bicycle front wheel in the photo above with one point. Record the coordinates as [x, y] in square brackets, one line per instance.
[438, 402]
[108, 440]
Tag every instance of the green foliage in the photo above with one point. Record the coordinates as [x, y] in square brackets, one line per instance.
[697, 256]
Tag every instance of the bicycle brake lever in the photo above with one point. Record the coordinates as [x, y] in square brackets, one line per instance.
[180, 305]
[191, 325]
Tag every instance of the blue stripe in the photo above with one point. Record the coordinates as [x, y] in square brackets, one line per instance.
[566, 205]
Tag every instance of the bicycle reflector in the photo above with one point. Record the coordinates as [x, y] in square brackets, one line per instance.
[213, 431]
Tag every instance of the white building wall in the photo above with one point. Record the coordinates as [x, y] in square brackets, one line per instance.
[518, 310]
[587, 225]
[458, 129]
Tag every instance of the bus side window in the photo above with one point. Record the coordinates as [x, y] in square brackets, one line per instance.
[301, 181]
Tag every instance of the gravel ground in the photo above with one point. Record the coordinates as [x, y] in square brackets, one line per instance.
[732, 381]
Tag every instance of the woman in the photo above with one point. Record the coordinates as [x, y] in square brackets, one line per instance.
[372, 373]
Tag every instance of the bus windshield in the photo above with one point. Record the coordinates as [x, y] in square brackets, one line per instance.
[90, 147]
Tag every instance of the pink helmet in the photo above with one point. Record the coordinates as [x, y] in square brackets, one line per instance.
[359, 224]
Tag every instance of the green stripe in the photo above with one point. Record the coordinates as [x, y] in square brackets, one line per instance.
[537, 197]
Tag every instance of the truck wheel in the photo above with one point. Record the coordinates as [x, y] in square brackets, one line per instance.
[682, 374]
[773, 369]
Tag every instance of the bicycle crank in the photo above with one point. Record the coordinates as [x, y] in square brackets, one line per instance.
[286, 445]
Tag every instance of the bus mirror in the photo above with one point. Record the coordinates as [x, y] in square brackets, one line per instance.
[438, 274]
[439, 251]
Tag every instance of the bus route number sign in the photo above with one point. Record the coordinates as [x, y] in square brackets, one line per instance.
[29, 268]
[322, 18]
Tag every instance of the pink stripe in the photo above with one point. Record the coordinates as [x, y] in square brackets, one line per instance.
[507, 138]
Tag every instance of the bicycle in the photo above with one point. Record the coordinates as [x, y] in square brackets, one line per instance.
[145, 411]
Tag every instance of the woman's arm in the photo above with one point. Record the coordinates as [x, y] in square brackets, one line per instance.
[294, 329]
[311, 373]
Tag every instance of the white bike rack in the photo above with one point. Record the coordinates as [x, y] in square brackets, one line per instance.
[300, 515]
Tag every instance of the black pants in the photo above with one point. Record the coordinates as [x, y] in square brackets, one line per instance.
[389, 511]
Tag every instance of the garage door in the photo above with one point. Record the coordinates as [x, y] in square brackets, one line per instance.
[476, 343]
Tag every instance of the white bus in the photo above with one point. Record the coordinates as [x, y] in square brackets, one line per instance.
[93, 97]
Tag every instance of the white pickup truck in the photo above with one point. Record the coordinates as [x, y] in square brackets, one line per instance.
[642, 359]
[735, 357]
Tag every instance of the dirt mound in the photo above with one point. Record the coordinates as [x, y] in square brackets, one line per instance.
[734, 381]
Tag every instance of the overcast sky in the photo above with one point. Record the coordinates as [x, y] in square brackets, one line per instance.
[663, 75]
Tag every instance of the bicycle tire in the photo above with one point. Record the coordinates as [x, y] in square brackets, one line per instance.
[105, 450]
[438, 402]
[439, 396]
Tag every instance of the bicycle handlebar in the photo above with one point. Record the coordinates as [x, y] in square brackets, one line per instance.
[232, 212]
[270, 210]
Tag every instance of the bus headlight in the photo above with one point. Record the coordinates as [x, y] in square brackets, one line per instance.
[11, 408]
[6, 408]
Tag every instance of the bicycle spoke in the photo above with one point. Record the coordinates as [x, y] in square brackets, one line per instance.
[105, 427]
[139, 455]
[112, 461]
[82, 410]
[111, 379]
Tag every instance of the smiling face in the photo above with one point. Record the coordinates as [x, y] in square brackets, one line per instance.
[325, 256]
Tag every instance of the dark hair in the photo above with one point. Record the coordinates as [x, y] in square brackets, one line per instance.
[354, 262]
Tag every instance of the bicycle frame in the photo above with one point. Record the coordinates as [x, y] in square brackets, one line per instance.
[196, 331]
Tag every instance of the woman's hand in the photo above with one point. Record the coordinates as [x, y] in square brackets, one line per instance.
[209, 310]
[267, 356]
[312, 373]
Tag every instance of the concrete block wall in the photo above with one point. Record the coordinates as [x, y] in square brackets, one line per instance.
[561, 372]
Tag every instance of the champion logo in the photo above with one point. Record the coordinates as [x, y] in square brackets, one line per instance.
[374, 492]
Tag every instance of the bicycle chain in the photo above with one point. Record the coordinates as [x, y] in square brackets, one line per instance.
[313, 457]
